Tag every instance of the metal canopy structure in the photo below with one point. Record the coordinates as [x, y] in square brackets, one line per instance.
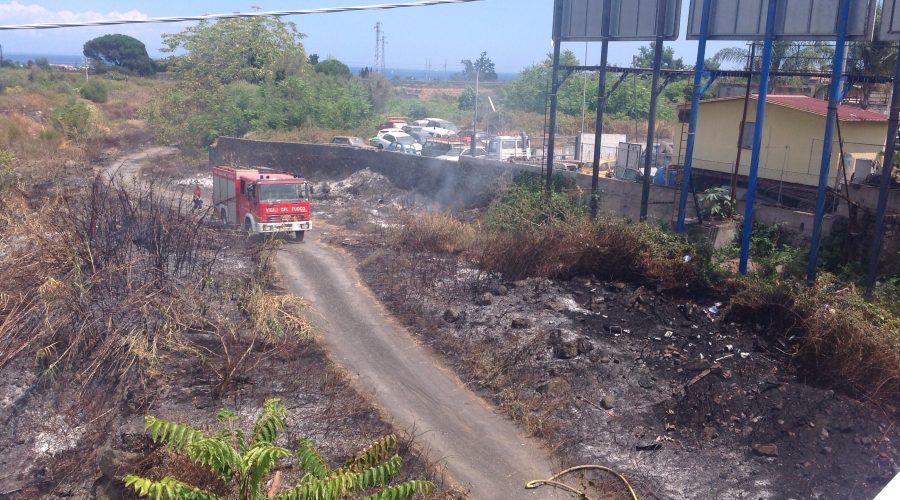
[771, 20]
[794, 20]
[583, 20]
[890, 21]
[605, 21]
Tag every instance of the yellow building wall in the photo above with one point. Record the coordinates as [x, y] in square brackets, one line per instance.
[791, 141]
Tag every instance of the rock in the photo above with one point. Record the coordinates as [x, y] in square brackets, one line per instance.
[453, 314]
[556, 387]
[618, 286]
[645, 383]
[555, 304]
[826, 450]
[648, 446]
[564, 345]
[608, 402]
[519, 283]
[765, 450]
[520, 323]
[484, 299]
[824, 434]
[500, 290]
[584, 345]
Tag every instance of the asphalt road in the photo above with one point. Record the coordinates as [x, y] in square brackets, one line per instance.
[480, 448]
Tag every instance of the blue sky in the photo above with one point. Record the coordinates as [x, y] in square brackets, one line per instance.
[515, 33]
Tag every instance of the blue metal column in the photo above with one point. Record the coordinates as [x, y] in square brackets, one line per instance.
[884, 188]
[757, 134]
[695, 110]
[834, 99]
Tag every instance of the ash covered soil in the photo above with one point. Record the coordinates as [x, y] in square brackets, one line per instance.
[676, 392]
[66, 435]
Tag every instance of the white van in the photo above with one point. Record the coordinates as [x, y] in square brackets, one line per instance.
[504, 147]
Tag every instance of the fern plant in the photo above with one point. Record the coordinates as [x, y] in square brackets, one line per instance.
[246, 461]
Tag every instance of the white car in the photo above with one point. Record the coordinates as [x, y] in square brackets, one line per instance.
[436, 127]
[386, 138]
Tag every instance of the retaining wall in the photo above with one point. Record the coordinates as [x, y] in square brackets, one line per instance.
[471, 182]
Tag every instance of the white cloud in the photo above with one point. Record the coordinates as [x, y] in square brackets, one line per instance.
[19, 13]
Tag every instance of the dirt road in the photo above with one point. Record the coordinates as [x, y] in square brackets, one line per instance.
[481, 449]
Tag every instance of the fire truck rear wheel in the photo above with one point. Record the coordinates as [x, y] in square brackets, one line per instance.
[223, 216]
[298, 235]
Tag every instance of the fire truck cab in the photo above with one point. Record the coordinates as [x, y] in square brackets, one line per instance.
[262, 200]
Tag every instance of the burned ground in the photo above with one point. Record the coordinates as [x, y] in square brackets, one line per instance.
[667, 388]
[131, 306]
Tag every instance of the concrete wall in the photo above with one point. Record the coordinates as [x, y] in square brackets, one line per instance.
[791, 141]
[471, 182]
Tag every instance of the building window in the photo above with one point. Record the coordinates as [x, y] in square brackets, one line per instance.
[747, 135]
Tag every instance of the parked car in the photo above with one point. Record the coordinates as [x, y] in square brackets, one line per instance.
[466, 136]
[416, 132]
[383, 140]
[437, 147]
[393, 122]
[458, 151]
[436, 127]
[344, 140]
[398, 147]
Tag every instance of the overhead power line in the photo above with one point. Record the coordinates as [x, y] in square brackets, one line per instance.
[234, 15]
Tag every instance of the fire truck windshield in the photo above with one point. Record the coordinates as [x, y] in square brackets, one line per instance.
[283, 192]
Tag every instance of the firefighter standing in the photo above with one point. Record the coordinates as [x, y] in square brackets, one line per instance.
[197, 202]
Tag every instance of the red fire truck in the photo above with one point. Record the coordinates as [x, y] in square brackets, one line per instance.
[262, 200]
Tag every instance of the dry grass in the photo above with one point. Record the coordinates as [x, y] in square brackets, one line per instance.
[314, 135]
[609, 248]
[439, 233]
[833, 334]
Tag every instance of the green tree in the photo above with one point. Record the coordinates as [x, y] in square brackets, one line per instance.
[871, 58]
[332, 66]
[313, 59]
[644, 58]
[246, 460]
[530, 90]
[255, 49]
[121, 52]
[483, 66]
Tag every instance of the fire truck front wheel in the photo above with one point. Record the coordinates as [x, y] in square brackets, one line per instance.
[298, 235]
[248, 227]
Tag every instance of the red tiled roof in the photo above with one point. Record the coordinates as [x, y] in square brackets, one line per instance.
[809, 105]
[820, 107]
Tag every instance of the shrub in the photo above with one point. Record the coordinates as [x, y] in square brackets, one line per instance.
[94, 90]
[832, 333]
[247, 460]
[74, 119]
[8, 177]
[608, 247]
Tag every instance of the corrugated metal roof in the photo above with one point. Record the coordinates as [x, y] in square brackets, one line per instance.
[812, 105]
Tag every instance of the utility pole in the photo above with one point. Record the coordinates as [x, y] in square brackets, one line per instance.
[472, 141]
[1, 55]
